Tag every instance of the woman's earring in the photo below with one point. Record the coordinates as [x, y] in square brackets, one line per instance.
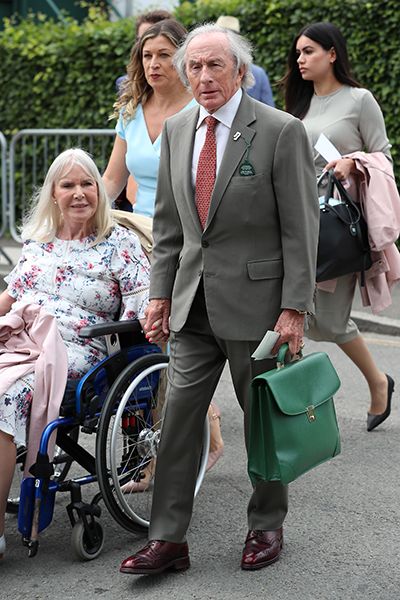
[55, 202]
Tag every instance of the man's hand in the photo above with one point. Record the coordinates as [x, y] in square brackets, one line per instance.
[290, 325]
[157, 314]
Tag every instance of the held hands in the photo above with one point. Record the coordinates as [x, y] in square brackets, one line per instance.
[342, 167]
[157, 314]
[290, 325]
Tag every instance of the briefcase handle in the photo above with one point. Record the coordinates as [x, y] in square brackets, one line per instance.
[282, 352]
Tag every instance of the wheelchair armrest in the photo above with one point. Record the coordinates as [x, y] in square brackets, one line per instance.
[93, 331]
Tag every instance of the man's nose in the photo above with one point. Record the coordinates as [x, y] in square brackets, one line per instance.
[205, 74]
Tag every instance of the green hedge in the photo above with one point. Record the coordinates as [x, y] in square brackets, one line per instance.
[57, 74]
[63, 75]
[371, 28]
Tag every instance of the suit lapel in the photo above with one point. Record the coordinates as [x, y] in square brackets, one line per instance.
[234, 151]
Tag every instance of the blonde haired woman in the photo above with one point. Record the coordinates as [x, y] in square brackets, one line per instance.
[79, 267]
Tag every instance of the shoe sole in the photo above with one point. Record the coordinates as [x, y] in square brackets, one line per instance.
[180, 564]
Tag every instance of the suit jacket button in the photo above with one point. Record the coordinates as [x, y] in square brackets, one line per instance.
[204, 244]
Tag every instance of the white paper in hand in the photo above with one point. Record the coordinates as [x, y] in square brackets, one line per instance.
[264, 348]
[326, 149]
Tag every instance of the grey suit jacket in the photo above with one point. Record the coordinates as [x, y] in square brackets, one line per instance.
[257, 253]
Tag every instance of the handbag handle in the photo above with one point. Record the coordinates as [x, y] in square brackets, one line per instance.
[353, 210]
[343, 193]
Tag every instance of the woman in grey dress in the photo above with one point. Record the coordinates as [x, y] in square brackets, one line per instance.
[321, 91]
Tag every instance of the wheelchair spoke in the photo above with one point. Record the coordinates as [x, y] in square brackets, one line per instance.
[128, 439]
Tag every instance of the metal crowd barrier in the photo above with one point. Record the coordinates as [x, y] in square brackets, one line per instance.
[3, 191]
[31, 153]
[3, 182]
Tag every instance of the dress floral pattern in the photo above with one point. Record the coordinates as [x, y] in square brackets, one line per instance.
[79, 284]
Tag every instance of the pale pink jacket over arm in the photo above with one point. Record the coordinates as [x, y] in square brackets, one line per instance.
[375, 188]
[30, 342]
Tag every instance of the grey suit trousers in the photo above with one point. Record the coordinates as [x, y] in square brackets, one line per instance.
[197, 358]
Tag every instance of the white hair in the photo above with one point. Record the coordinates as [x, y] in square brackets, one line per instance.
[44, 219]
[240, 48]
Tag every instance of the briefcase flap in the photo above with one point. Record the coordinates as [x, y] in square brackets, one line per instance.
[301, 384]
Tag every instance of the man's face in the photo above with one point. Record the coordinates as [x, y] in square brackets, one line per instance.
[211, 70]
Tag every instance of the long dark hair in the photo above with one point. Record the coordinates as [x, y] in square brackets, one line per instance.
[298, 92]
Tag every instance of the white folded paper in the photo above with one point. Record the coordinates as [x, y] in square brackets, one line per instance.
[264, 348]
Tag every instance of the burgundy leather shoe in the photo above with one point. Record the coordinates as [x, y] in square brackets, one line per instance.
[157, 556]
[262, 548]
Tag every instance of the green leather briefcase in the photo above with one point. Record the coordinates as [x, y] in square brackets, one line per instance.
[292, 426]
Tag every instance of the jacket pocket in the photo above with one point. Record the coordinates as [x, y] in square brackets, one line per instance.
[265, 269]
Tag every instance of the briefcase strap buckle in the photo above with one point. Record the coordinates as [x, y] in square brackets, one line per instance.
[311, 414]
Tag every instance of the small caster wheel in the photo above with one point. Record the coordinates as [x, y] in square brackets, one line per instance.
[83, 547]
[33, 548]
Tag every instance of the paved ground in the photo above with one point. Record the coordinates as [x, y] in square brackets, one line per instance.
[342, 539]
[342, 536]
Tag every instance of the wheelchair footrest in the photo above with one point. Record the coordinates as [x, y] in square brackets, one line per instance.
[34, 491]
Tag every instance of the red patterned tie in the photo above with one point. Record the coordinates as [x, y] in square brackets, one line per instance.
[206, 171]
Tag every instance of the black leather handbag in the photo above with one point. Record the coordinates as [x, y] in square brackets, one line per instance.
[343, 245]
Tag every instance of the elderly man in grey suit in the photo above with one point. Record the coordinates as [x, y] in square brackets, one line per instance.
[235, 230]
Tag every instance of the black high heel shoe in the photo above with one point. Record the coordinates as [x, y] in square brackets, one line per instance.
[375, 420]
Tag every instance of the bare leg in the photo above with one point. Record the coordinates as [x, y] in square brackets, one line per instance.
[358, 352]
[216, 442]
[8, 457]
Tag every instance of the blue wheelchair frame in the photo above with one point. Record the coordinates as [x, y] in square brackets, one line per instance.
[81, 408]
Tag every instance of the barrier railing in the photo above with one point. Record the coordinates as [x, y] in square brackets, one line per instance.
[31, 153]
[3, 183]
[3, 192]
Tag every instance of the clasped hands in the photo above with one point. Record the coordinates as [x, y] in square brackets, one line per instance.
[290, 325]
[156, 327]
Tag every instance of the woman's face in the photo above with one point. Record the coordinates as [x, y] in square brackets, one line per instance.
[157, 58]
[314, 62]
[76, 195]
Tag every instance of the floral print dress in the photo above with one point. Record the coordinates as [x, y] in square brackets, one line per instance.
[80, 284]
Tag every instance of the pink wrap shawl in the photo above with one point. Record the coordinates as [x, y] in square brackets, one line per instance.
[30, 342]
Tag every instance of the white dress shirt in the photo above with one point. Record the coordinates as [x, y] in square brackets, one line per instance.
[224, 116]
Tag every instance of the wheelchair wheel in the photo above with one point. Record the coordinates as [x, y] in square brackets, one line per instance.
[81, 546]
[127, 441]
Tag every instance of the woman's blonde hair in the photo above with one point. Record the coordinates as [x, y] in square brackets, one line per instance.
[135, 90]
[44, 219]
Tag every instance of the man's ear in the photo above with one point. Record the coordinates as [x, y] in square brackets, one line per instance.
[242, 72]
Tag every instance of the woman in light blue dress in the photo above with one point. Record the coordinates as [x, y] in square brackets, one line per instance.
[151, 92]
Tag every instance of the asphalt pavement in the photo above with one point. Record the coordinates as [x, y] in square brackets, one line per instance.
[342, 539]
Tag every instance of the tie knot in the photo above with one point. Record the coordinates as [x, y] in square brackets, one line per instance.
[211, 122]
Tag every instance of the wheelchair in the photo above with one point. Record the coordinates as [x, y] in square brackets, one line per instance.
[120, 400]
